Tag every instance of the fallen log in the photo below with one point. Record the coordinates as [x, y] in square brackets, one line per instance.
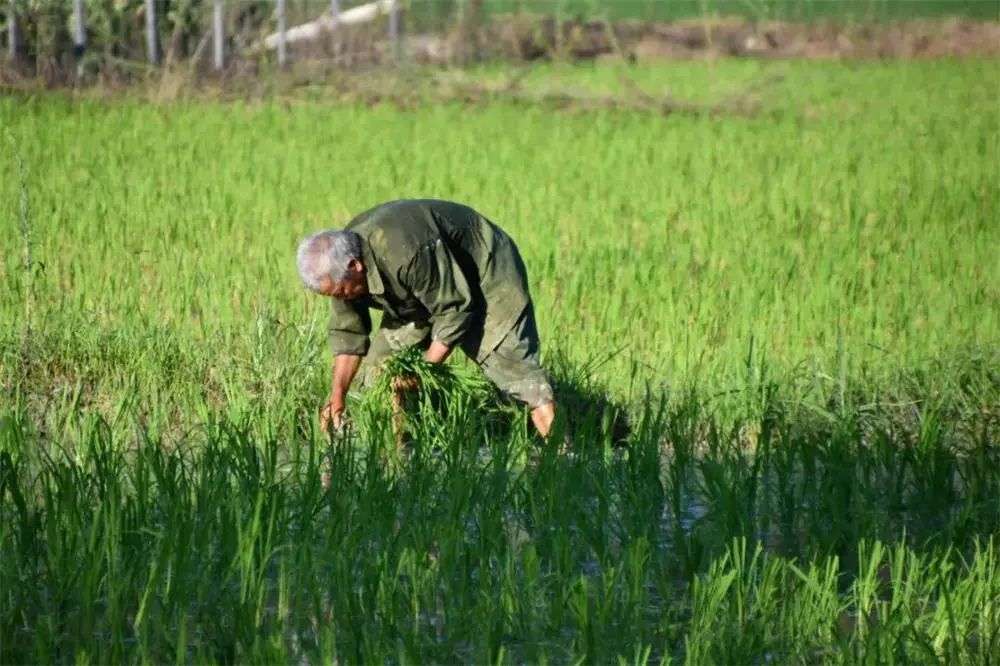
[327, 23]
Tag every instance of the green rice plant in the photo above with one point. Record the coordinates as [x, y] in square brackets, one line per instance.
[228, 547]
[772, 340]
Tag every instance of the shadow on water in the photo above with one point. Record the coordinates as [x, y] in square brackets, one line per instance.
[806, 481]
[586, 409]
[802, 479]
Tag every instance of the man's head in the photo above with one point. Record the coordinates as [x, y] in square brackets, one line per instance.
[330, 264]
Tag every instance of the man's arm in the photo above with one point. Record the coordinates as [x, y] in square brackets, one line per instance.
[436, 279]
[345, 367]
[438, 282]
[350, 325]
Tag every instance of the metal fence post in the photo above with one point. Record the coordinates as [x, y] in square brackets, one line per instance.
[13, 31]
[282, 38]
[218, 35]
[152, 47]
[79, 29]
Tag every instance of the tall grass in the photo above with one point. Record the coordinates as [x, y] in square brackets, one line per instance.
[774, 339]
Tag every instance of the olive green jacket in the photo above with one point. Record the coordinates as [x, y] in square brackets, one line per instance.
[436, 262]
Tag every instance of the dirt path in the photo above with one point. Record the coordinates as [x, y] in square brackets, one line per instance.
[535, 37]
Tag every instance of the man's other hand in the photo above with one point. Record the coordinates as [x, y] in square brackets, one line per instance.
[437, 352]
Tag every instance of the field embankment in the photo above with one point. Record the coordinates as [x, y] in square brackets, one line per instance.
[529, 37]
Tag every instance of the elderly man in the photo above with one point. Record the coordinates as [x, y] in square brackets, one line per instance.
[444, 276]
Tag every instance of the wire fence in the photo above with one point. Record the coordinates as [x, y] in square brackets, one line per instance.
[217, 32]
[53, 36]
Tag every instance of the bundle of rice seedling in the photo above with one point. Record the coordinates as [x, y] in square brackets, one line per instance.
[436, 404]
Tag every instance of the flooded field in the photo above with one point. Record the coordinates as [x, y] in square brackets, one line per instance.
[773, 335]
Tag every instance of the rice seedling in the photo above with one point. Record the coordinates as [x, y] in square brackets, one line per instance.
[774, 337]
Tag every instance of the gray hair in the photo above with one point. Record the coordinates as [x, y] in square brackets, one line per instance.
[327, 254]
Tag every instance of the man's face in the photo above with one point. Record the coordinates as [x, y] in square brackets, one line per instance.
[353, 286]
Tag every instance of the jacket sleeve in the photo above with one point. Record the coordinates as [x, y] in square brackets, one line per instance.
[437, 281]
[350, 325]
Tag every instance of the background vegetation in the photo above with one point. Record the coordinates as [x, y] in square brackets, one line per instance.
[115, 29]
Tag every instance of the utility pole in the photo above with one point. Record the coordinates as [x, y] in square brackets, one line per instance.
[218, 36]
[282, 38]
[79, 30]
[335, 15]
[13, 32]
[152, 47]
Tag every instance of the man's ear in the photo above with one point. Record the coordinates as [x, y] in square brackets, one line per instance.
[356, 266]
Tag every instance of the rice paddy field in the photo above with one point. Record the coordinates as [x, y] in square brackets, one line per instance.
[774, 338]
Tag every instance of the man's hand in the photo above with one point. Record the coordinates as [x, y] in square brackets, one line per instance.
[331, 416]
[438, 352]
